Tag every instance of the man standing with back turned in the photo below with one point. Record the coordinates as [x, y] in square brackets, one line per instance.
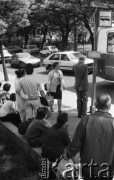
[81, 86]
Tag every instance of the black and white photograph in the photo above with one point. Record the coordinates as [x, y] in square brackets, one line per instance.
[56, 89]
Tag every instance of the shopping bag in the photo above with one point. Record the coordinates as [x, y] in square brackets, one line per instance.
[64, 169]
[50, 99]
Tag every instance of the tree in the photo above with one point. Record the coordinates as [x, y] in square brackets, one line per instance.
[15, 14]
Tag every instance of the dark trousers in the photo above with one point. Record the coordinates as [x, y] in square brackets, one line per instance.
[13, 118]
[82, 98]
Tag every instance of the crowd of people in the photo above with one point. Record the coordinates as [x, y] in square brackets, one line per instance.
[93, 136]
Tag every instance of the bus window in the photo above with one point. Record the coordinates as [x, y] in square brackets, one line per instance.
[110, 42]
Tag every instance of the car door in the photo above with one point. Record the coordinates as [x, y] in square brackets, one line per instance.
[54, 58]
[65, 63]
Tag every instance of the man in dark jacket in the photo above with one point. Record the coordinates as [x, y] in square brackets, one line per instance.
[94, 138]
[38, 128]
[81, 86]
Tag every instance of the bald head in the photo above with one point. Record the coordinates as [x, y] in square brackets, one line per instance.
[103, 101]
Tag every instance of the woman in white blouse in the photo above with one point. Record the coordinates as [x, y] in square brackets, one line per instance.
[56, 84]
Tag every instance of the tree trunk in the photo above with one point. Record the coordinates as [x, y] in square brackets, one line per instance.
[75, 37]
[64, 41]
[26, 39]
[44, 37]
[9, 40]
[91, 34]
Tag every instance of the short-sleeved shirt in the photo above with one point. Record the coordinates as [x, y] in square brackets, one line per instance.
[7, 108]
[30, 86]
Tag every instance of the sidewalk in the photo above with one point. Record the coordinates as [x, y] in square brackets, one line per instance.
[68, 101]
[68, 105]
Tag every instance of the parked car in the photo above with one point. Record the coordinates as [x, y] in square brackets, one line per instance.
[47, 50]
[32, 49]
[67, 60]
[19, 60]
[14, 49]
[7, 55]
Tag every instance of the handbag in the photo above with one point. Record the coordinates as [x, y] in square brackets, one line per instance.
[45, 87]
[50, 99]
[44, 101]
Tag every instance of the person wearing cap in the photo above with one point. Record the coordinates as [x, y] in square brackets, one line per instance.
[57, 138]
[81, 86]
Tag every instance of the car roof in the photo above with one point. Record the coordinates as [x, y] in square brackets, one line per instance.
[67, 52]
[21, 53]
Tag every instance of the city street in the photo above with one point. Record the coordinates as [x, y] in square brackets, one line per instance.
[102, 85]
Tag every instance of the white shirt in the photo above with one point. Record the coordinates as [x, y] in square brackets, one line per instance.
[7, 108]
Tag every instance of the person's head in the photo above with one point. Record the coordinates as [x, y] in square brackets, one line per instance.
[20, 73]
[41, 113]
[56, 65]
[29, 69]
[6, 87]
[62, 120]
[103, 102]
[81, 59]
[13, 97]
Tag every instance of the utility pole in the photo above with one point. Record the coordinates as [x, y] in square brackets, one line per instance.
[3, 62]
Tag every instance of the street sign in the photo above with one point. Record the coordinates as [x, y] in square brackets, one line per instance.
[105, 19]
[94, 54]
[102, 5]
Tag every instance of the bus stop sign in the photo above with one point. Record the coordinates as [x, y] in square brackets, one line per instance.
[102, 5]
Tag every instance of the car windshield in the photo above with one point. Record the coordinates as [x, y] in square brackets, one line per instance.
[75, 55]
[23, 55]
[11, 47]
[53, 47]
[31, 47]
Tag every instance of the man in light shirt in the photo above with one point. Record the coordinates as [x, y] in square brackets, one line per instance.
[31, 87]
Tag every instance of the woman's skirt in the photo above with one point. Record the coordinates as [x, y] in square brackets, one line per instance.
[57, 94]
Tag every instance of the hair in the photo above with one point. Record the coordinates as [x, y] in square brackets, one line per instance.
[103, 101]
[13, 97]
[20, 73]
[29, 68]
[55, 64]
[61, 119]
[6, 87]
[41, 113]
[82, 58]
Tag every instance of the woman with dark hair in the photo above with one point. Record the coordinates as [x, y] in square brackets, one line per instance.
[20, 98]
[56, 84]
[8, 111]
[6, 88]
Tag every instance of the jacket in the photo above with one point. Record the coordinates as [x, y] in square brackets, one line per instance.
[55, 142]
[81, 76]
[94, 138]
[52, 81]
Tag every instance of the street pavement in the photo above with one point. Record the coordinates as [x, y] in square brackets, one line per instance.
[68, 101]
